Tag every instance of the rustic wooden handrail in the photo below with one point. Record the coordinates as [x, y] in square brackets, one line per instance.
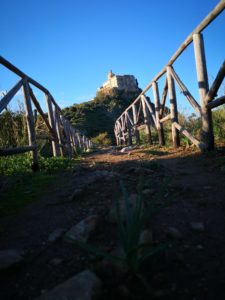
[64, 138]
[206, 94]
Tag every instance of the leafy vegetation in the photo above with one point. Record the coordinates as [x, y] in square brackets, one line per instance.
[99, 115]
[12, 129]
[193, 124]
[19, 186]
[101, 140]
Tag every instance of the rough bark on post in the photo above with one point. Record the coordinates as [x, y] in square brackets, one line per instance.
[136, 131]
[55, 146]
[146, 121]
[159, 125]
[173, 108]
[66, 133]
[58, 130]
[30, 125]
[129, 137]
[203, 87]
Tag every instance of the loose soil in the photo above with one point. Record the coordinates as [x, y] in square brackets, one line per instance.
[191, 186]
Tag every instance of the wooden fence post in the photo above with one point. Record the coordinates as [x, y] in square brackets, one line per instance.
[146, 121]
[59, 131]
[51, 119]
[30, 125]
[159, 125]
[129, 137]
[207, 136]
[136, 131]
[173, 108]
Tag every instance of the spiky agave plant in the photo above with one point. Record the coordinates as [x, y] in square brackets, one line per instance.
[130, 227]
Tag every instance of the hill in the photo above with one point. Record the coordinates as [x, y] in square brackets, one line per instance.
[99, 115]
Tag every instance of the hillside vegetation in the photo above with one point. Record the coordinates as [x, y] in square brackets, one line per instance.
[99, 115]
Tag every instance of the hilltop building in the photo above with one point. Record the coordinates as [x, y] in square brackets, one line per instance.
[120, 82]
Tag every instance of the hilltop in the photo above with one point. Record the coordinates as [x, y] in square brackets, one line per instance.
[98, 115]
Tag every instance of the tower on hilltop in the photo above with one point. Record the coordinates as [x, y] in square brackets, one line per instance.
[120, 82]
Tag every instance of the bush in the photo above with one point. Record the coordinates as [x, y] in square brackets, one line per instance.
[102, 139]
[218, 117]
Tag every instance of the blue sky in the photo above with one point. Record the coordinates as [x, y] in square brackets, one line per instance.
[69, 46]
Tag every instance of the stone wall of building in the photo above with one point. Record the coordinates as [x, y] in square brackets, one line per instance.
[121, 82]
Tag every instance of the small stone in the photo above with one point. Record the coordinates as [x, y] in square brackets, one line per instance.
[199, 247]
[180, 258]
[197, 226]
[174, 233]
[148, 192]
[84, 286]
[10, 258]
[82, 230]
[126, 149]
[159, 293]
[222, 169]
[56, 261]
[124, 291]
[56, 234]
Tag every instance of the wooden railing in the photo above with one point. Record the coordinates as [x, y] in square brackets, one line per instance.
[65, 139]
[142, 111]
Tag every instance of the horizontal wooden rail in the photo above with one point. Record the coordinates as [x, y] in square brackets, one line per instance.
[18, 72]
[217, 102]
[171, 77]
[12, 151]
[64, 138]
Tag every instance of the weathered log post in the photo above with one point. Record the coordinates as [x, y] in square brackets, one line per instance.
[55, 146]
[159, 125]
[58, 130]
[30, 126]
[173, 108]
[67, 136]
[207, 136]
[129, 137]
[136, 131]
[79, 140]
[146, 120]
[119, 134]
[116, 132]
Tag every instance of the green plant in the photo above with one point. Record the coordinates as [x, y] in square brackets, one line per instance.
[102, 139]
[136, 218]
[129, 232]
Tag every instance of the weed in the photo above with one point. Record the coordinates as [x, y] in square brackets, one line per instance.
[130, 227]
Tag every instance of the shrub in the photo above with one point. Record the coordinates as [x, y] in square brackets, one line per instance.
[102, 139]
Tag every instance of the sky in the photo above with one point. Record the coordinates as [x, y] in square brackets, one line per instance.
[69, 46]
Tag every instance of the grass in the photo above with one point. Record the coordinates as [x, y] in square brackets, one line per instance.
[19, 186]
[23, 191]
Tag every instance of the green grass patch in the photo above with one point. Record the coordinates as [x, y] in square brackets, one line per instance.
[19, 186]
[23, 191]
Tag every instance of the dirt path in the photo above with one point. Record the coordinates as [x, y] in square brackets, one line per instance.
[192, 267]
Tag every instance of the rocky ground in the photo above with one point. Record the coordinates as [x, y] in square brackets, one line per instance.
[37, 255]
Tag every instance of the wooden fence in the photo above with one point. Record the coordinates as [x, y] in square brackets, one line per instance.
[142, 111]
[65, 140]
